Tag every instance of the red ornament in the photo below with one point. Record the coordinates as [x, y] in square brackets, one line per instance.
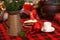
[27, 7]
[37, 27]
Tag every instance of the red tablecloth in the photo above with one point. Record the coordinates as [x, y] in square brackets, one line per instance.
[57, 18]
[37, 36]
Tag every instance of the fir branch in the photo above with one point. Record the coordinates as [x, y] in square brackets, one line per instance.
[14, 6]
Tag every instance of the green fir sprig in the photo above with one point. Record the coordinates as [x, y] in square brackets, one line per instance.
[13, 5]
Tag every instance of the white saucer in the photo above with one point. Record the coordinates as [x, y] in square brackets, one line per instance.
[50, 30]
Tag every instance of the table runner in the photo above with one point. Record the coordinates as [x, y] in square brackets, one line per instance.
[37, 36]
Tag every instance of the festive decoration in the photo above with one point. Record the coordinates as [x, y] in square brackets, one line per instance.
[2, 9]
[21, 34]
[13, 5]
[27, 6]
[34, 14]
[3, 17]
[32, 21]
[37, 27]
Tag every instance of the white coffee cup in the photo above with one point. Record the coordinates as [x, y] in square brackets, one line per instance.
[47, 27]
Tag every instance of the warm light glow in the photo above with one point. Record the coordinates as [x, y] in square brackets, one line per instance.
[16, 1]
[27, 3]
